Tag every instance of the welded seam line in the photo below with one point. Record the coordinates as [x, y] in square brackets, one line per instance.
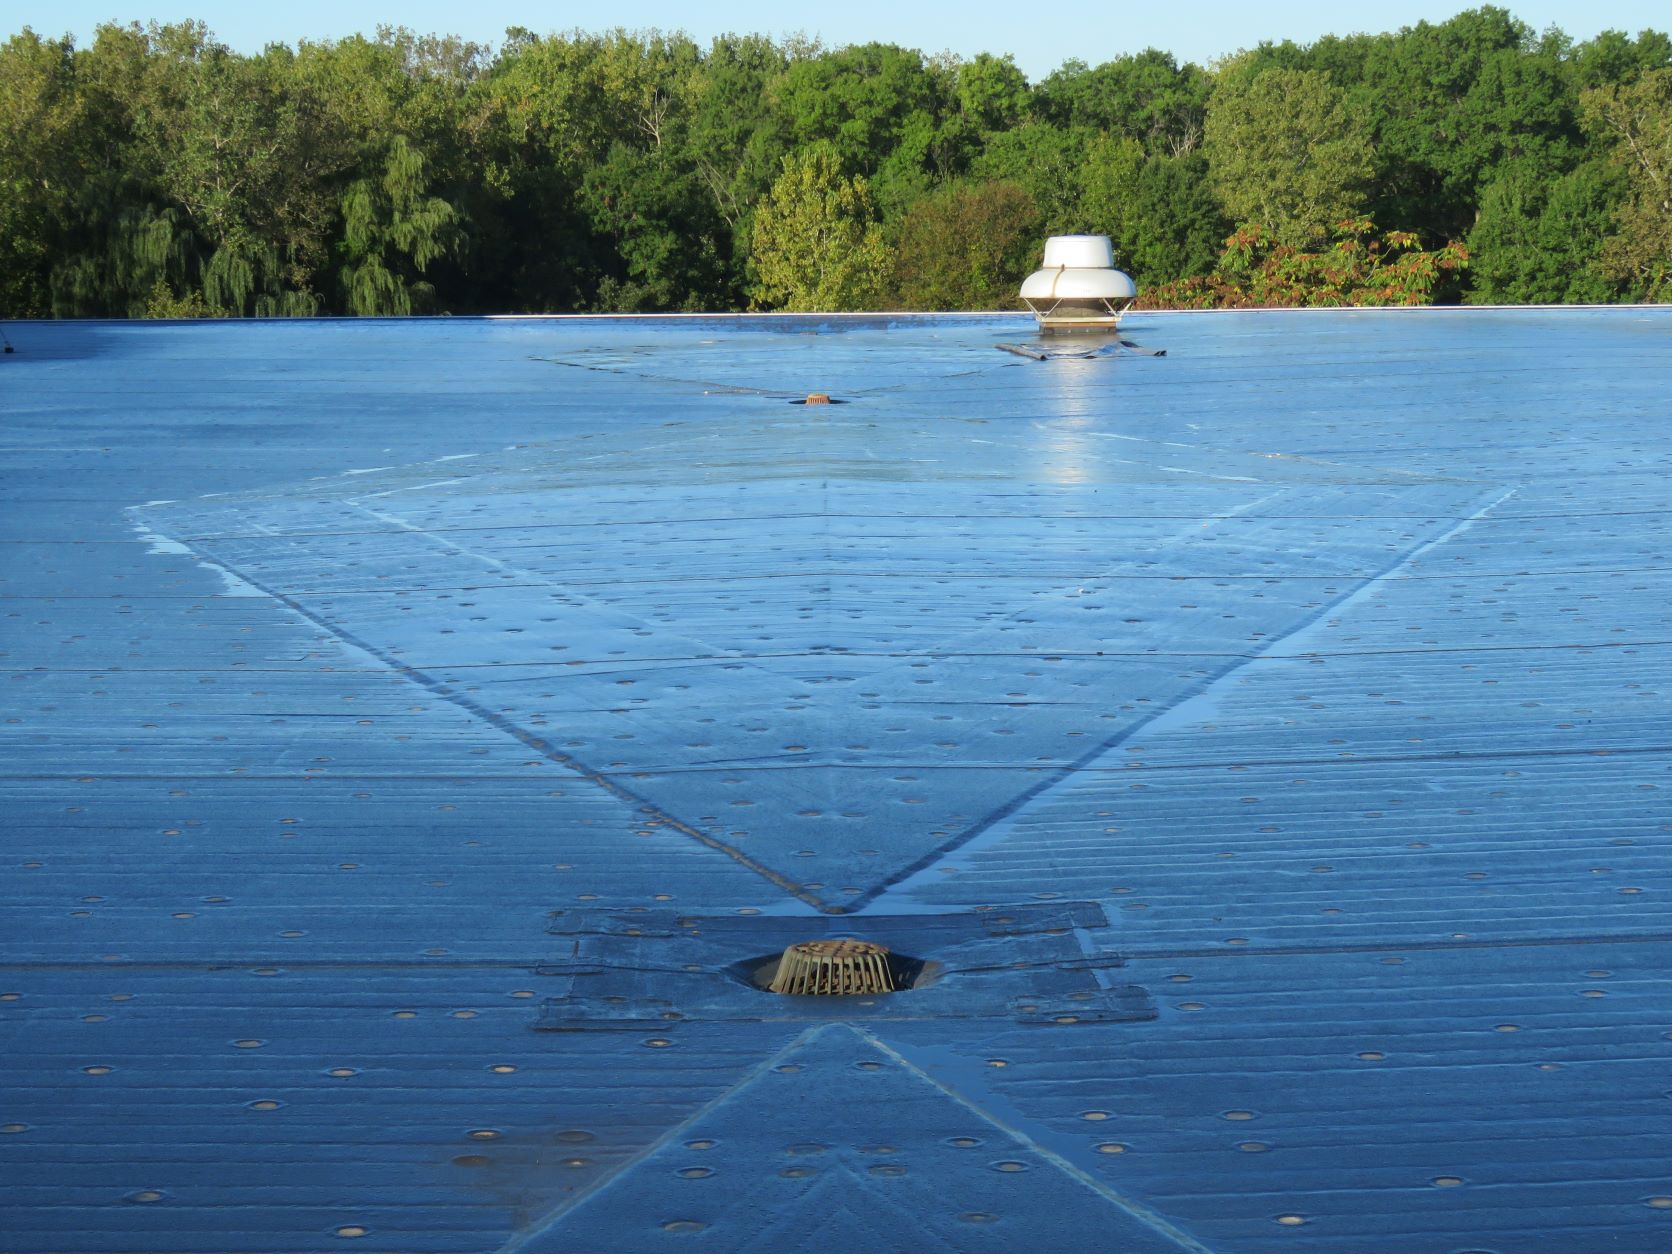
[933, 655]
[1136, 952]
[542, 747]
[709, 765]
[1143, 1214]
[990, 631]
[573, 599]
[1119, 738]
[540, 1226]
[235, 966]
[852, 516]
[916, 576]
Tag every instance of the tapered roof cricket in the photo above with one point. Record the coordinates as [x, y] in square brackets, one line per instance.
[421, 734]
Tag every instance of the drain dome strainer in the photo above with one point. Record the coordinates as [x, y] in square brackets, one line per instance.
[840, 968]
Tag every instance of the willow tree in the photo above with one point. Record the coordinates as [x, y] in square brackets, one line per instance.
[392, 230]
[817, 242]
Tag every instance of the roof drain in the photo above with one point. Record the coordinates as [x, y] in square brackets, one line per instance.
[834, 968]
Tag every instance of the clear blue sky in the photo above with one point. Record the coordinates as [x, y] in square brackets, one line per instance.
[1041, 36]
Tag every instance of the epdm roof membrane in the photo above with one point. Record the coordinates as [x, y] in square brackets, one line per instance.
[415, 730]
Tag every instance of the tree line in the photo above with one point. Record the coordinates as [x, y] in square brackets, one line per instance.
[157, 172]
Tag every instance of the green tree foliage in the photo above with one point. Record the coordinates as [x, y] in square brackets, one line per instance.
[863, 102]
[736, 143]
[1284, 152]
[966, 246]
[1117, 150]
[1046, 161]
[817, 242]
[660, 220]
[48, 149]
[624, 169]
[157, 171]
[1149, 97]
[1614, 58]
[992, 93]
[1419, 95]
[1159, 210]
[163, 303]
[1476, 128]
[1636, 120]
[1540, 241]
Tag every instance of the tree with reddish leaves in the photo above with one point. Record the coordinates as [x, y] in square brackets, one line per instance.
[1360, 266]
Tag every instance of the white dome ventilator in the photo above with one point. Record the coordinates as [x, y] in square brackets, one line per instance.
[1078, 289]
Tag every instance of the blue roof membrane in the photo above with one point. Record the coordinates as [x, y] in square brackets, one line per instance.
[1324, 658]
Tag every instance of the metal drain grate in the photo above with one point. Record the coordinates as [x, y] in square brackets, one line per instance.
[833, 968]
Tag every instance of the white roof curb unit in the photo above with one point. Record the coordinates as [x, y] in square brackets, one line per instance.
[1079, 288]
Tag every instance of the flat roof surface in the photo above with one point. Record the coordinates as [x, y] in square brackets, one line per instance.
[419, 733]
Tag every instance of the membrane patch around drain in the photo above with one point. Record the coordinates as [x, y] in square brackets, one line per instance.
[1035, 964]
